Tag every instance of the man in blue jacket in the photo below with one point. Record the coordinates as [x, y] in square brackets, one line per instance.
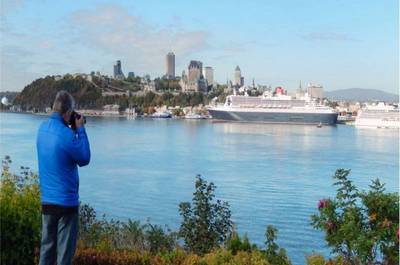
[60, 150]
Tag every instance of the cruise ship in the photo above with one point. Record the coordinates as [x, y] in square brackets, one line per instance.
[378, 115]
[274, 108]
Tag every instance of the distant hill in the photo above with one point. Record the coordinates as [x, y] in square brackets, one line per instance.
[41, 93]
[361, 94]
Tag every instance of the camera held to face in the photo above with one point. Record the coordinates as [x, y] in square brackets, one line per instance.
[72, 120]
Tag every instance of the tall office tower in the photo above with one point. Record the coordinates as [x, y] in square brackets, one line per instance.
[170, 65]
[315, 91]
[118, 74]
[209, 75]
[238, 77]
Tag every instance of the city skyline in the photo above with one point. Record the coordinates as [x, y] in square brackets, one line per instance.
[335, 43]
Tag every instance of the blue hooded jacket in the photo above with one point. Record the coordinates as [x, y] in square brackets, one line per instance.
[60, 150]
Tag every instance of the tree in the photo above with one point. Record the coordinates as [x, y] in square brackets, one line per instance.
[235, 243]
[206, 224]
[274, 254]
[362, 227]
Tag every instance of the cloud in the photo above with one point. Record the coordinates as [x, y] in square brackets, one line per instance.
[13, 68]
[112, 29]
[328, 36]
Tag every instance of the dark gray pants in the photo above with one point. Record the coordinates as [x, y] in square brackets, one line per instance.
[59, 235]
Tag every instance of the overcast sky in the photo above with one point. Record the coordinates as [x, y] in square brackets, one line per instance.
[336, 43]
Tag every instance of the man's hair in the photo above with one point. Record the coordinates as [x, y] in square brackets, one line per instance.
[63, 102]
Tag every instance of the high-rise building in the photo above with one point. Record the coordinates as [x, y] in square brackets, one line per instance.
[209, 75]
[118, 74]
[170, 65]
[194, 80]
[239, 80]
[315, 91]
[195, 70]
[131, 74]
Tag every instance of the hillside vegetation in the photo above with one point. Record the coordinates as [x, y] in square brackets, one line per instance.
[361, 94]
[40, 93]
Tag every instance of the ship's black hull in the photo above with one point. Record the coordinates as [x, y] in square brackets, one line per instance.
[273, 117]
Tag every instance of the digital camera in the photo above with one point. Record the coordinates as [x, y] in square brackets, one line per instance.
[75, 115]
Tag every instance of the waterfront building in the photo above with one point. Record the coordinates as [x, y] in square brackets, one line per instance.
[239, 80]
[118, 74]
[170, 65]
[315, 90]
[109, 110]
[194, 80]
[149, 86]
[131, 74]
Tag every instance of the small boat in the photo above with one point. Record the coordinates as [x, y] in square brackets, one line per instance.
[319, 125]
[162, 114]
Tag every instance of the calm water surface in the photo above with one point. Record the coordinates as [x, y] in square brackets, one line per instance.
[270, 174]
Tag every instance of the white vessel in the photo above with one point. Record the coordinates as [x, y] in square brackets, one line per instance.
[274, 108]
[378, 115]
[161, 114]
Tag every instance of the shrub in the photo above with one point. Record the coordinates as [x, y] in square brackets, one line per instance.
[274, 254]
[108, 235]
[361, 227]
[176, 257]
[235, 243]
[315, 259]
[206, 224]
[20, 217]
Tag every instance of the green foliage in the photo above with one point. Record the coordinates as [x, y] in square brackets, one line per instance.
[206, 224]
[274, 254]
[170, 85]
[108, 235]
[40, 93]
[315, 259]
[360, 226]
[20, 217]
[150, 99]
[218, 92]
[235, 243]
[176, 257]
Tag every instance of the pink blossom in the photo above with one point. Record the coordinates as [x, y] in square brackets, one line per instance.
[322, 204]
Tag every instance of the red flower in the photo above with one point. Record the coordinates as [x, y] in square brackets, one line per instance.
[322, 204]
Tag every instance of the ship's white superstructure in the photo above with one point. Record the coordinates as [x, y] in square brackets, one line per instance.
[379, 115]
[274, 108]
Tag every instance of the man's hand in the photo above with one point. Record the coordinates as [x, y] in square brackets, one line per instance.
[79, 122]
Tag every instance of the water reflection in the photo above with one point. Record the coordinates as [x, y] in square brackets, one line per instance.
[279, 136]
[266, 129]
[379, 140]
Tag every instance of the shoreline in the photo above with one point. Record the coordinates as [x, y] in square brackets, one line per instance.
[104, 115]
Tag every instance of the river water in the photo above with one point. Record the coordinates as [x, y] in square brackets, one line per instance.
[269, 174]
